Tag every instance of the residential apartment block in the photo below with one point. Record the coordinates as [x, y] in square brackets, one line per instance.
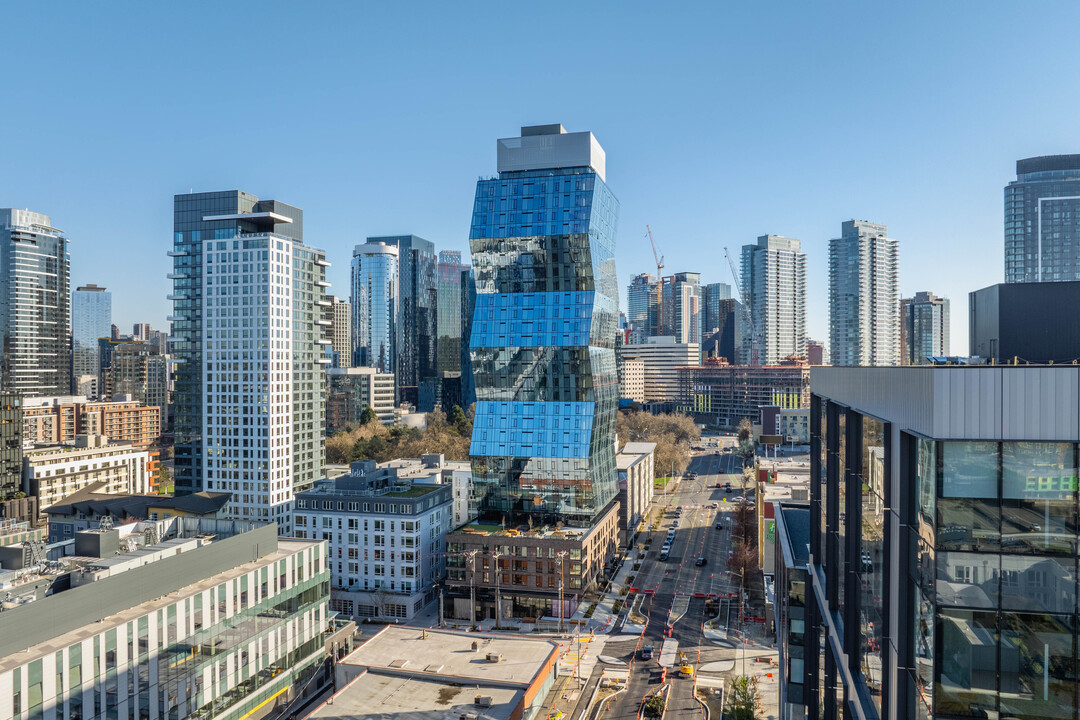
[350, 390]
[53, 473]
[386, 528]
[864, 310]
[53, 420]
[774, 289]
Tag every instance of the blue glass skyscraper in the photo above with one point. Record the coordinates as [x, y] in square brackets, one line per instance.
[542, 337]
[1042, 220]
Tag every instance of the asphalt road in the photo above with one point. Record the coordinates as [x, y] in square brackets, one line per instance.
[668, 588]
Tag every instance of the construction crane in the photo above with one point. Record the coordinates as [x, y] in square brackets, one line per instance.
[748, 315]
[659, 282]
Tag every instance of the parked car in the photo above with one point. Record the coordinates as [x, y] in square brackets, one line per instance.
[675, 523]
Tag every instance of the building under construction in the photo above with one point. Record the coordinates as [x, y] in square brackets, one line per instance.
[717, 393]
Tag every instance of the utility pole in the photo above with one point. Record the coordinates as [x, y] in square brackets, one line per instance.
[439, 590]
[498, 577]
[559, 562]
[472, 588]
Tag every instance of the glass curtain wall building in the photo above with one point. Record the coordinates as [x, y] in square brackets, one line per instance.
[864, 311]
[1042, 220]
[417, 325]
[641, 303]
[375, 305]
[542, 342]
[35, 302]
[943, 543]
[924, 329]
[450, 279]
[250, 329]
[774, 287]
[91, 319]
[711, 315]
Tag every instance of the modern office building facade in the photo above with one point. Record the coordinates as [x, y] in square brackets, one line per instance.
[661, 357]
[924, 328]
[1042, 220]
[721, 394]
[10, 451]
[864, 310]
[35, 302]
[773, 278]
[449, 310]
[350, 390]
[943, 543]
[139, 370]
[91, 319]
[726, 339]
[542, 342]
[641, 304]
[341, 332]
[711, 313]
[1022, 323]
[178, 628]
[249, 336]
[375, 303]
[418, 322]
[681, 308]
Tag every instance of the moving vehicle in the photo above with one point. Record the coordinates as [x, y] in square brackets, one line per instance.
[700, 561]
[719, 526]
[675, 523]
[646, 652]
[665, 553]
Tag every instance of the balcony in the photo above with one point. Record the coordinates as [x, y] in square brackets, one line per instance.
[322, 262]
[324, 323]
[324, 303]
[322, 283]
[177, 276]
[177, 297]
[178, 253]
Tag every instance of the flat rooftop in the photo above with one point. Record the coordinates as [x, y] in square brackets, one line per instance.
[372, 695]
[446, 654]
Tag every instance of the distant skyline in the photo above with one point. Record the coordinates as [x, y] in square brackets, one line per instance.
[721, 123]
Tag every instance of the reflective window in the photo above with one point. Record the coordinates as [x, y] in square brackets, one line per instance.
[1038, 490]
[969, 516]
[968, 579]
[1038, 669]
[965, 681]
[870, 563]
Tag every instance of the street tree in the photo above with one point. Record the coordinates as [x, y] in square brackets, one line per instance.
[742, 698]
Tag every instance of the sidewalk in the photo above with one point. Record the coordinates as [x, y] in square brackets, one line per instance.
[603, 618]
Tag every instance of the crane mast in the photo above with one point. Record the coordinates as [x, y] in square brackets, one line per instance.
[659, 283]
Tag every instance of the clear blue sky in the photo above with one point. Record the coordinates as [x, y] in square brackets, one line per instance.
[721, 121]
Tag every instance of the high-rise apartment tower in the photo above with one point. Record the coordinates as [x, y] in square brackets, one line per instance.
[249, 332]
[924, 328]
[375, 306]
[1042, 220]
[35, 326]
[774, 288]
[864, 309]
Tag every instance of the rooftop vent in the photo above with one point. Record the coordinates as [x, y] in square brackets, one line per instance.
[399, 663]
[494, 657]
[482, 701]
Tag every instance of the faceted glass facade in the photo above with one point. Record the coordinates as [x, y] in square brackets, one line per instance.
[1042, 220]
[35, 300]
[375, 305]
[542, 345]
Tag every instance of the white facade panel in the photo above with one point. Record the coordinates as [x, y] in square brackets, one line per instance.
[1040, 404]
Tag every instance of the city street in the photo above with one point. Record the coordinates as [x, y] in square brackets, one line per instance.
[676, 593]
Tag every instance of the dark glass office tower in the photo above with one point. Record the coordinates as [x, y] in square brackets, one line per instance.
[35, 322]
[1042, 220]
[417, 362]
[450, 269]
[542, 343]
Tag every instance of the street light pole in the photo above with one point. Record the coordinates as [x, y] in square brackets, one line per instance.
[559, 562]
[498, 577]
[472, 588]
